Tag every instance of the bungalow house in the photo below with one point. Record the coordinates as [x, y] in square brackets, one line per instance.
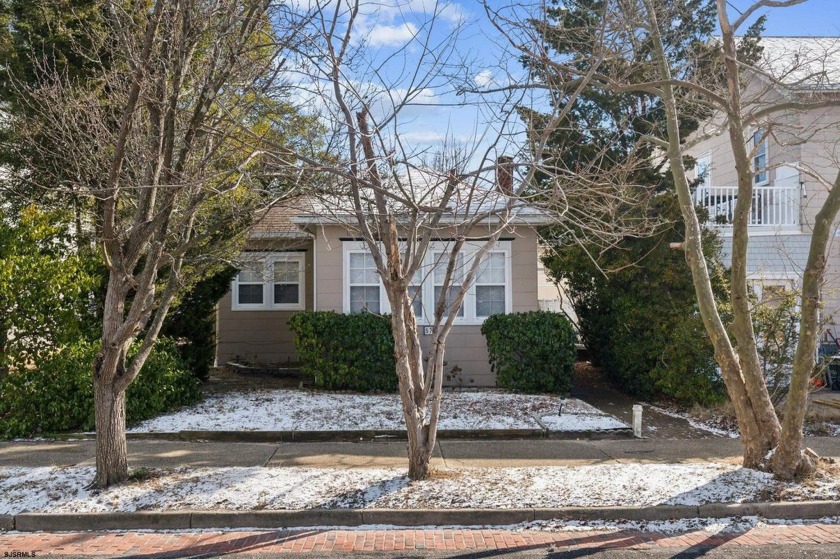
[786, 199]
[300, 256]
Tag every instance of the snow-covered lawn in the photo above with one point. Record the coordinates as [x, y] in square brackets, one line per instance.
[302, 410]
[50, 489]
[696, 423]
[724, 426]
[710, 526]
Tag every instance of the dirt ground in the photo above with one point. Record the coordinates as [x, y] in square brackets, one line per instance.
[592, 387]
[227, 379]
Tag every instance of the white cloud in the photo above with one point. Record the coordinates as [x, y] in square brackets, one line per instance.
[424, 137]
[484, 78]
[449, 11]
[391, 35]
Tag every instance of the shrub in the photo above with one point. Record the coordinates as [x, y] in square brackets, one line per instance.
[165, 382]
[346, 351]
[531, 351]
[637, 311]
[58, 395]
[45, 285]
[192, 321]
[776, 324]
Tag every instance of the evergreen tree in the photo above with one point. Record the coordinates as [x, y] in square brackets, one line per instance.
[635, 302]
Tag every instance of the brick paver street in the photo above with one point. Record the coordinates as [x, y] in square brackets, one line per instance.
[315, 542]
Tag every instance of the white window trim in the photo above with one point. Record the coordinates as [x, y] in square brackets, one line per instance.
[506, 285]
[268, 260]
[708, 158]
[766, 180]
[758, 280]
[428, 286]
[346, 280]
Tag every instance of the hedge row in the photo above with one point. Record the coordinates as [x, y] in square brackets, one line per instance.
[530, 352]
[346, 351]
[58, 396]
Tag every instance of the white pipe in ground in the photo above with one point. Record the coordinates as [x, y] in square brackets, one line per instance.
[637, 421]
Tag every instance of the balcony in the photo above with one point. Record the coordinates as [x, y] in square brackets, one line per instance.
[774, 208]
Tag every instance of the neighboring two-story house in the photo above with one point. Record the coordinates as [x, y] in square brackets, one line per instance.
[785, 199]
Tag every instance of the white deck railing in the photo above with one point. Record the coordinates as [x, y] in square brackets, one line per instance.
[775, 206]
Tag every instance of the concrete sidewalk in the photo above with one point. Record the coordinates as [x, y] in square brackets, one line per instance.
[449, 453]
[452, 454]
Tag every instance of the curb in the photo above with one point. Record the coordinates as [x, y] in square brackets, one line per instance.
[185, 520]
[654, 512]
[276, 518]
[34, 522]
[447, 517]
[363, 435]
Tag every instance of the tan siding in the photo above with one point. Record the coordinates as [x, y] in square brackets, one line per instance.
[261, 336]
[467, 350]
[466, 347]
[330, 268]
[524, 270]
[264, 336]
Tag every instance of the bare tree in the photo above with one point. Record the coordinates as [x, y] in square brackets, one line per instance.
[763, 434]
[735, 92]
[162, 138]
[384, 190]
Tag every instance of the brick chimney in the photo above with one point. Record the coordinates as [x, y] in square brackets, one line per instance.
[504, 174]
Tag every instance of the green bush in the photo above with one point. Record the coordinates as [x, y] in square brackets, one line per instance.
[165, 382]
[531, 351]
[346, 351]
[637, 311]
[45, 286]
[58, 395]
[192, 321]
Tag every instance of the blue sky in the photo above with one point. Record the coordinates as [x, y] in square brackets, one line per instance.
[388, 26]
[814, 17]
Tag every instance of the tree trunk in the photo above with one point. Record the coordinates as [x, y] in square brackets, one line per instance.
[757, 435]
[789, 461]
[419, 453]
[111, 447]
[408, 359]
[109, 392]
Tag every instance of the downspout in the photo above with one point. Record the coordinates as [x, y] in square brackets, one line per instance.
[216, 335]
[315, 272]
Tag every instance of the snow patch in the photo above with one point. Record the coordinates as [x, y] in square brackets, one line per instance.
[302, 410]
[49, 489]
[695, 423]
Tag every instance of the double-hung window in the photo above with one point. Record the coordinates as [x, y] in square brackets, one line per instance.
[249, 285]
[490, 292]
[364, 287]
[703, 169]
[273, 281]
[442, 260]
[490, 285]
[759, 146]
[415, 291]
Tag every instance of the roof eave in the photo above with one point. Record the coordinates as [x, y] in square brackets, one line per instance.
[528, 219]
[269, 235]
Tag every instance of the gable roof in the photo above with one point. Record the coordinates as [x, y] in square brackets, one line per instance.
[803, 63]
[276, 222]
[421, 188]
